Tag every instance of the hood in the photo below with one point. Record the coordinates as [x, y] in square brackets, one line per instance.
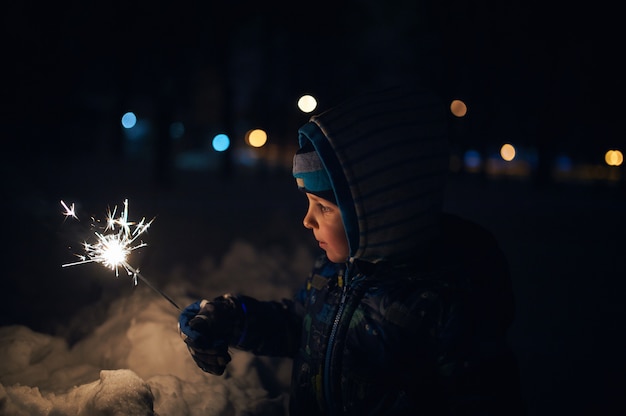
[386, 154]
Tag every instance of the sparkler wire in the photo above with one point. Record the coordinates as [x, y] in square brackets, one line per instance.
[160, 292]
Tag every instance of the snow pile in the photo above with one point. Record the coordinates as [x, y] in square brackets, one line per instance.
[135, 363]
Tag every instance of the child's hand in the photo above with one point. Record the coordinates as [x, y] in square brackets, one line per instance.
[208, 327]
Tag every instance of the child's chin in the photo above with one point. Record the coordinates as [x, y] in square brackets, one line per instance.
[334, 259]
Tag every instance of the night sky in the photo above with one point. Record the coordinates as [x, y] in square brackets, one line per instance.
[542, 73]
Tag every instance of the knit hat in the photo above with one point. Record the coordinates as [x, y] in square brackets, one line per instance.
[310, 173]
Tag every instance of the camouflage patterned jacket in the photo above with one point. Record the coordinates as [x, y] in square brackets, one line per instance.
[381, 339]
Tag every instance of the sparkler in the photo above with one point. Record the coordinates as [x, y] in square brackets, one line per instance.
[114, 244]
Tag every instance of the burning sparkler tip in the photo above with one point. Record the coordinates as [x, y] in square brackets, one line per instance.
[114, 244]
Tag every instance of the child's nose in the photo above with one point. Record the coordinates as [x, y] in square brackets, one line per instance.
[308, 221]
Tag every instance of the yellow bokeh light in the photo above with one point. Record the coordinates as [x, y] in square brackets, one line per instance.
[256, 138]
[458, 108]
[507, 151]
[307, 103]
[613, 158]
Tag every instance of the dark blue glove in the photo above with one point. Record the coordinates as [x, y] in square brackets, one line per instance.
[208, 328]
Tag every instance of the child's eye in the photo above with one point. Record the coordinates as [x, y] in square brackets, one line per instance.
[324, 208]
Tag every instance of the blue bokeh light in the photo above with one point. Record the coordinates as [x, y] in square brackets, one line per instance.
[221, 142]
[472, 159]
[563, 163]
[129, 120]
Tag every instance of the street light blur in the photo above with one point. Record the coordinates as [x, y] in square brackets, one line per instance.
[220, 142]
[614, 158]
[129, 120]
[507, 152]
[256, 137]
[458, 108]
[307, 103]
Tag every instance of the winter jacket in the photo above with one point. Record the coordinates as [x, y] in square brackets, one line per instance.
[415, 322]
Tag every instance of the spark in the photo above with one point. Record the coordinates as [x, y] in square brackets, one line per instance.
[112, 246]
[69, 211]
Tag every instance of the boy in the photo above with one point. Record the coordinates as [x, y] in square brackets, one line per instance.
[407, 311]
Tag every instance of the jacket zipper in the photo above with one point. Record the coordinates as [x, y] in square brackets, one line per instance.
[331, 340]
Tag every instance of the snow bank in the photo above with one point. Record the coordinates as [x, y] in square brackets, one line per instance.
[135, 363]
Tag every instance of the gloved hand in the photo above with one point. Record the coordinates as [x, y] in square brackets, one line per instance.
[208, 328]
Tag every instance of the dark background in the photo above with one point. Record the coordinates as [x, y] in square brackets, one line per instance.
[544, 75]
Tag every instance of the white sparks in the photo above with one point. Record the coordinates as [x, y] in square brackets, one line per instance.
[69, 211]
[113, 246]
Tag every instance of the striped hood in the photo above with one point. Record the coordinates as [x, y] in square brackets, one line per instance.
[386, 154]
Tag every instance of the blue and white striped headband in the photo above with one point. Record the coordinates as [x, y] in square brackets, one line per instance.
[311, 175]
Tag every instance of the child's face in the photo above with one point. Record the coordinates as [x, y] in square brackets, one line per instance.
[324, 218]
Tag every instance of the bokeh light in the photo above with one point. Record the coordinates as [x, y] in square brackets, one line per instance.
[256, 137]
[614, 158]
[307, 103]
[129, 120]
[507, 152]
[564, 163]
[177, 130]
[221, 142]
[458, 108]
[472, 160]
